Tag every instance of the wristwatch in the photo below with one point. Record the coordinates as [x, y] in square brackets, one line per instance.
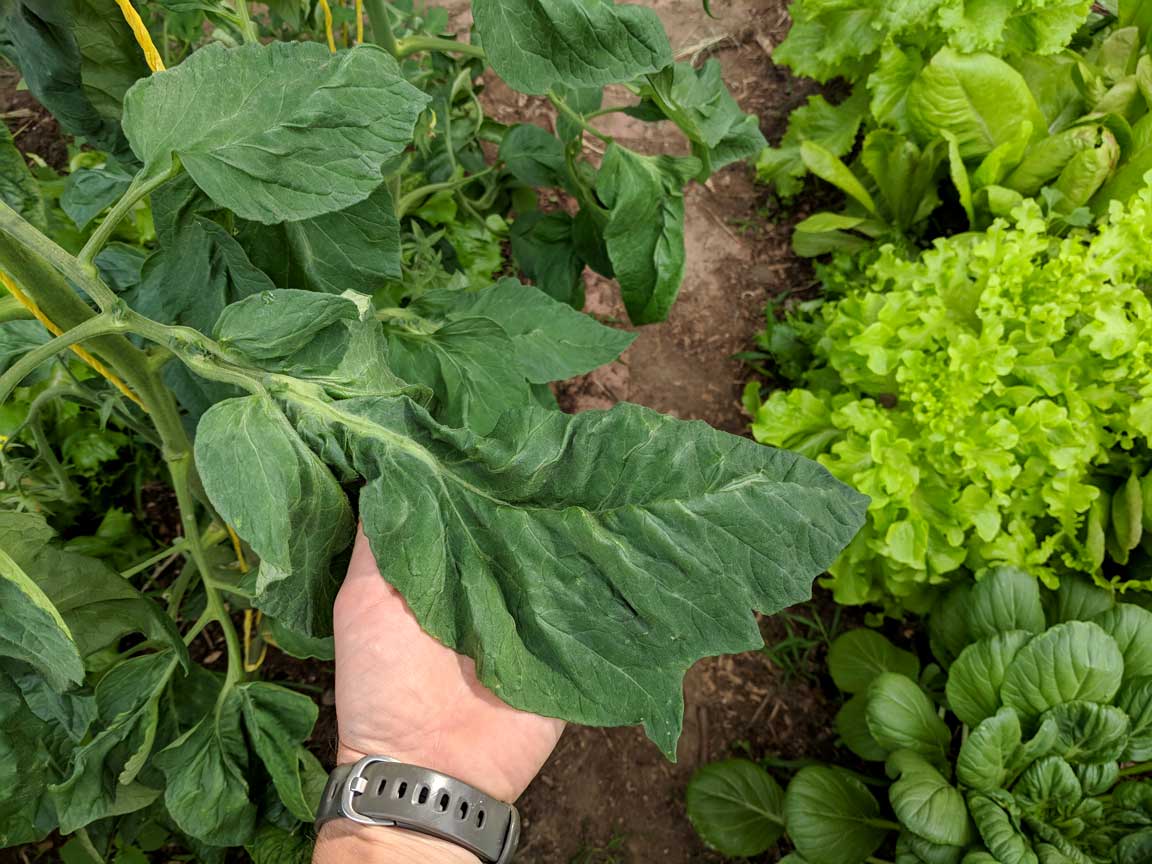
[378, 790]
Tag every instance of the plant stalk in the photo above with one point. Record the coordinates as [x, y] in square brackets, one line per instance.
[1138, 768]
[245, 23]
[380, 18]
[12, 309]
[566, 109]
[141, 186]
[100, 325]
[415, 44]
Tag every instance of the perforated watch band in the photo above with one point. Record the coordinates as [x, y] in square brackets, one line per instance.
[378, 790]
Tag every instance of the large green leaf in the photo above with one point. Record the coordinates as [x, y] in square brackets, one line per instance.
[976, 97]
[32, 629]
[283, 501]
[645, 230]
[1073, 661]
[102, 777]
[277, 132]
[974, 681]
[859, 656]
[78, 58]
[986, 753]
[504, 546]
[925, 803]
[1006, 599]
[1088, 733]
[535, 45]
[354, 249]
[206, 770]
[279, 722]
[852, 727]
[901, 717]
[736, 807]
[552, 340]
[96, 604]
[831, 816]
[27, 767]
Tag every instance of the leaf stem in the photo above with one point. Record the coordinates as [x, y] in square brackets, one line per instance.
[100, 325]
[12, 309]
[180, 469]
[380, 18]
[566, 109]
[405, 203]
[415, 44]
[164, 554]
[1138, 768]
[141, 185]
[244, 22]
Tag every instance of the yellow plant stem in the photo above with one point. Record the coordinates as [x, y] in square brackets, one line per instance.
[328, 25]
[80, 352]
[359, 22]
[143, 37]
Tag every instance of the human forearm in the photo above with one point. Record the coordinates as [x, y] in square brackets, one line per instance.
[344, 841]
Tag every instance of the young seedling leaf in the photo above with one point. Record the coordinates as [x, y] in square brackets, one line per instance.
[986, 753]
[534, 45]
[925, 803]
[900, 716]
[736, 807]
[858, 656]
[1088, 733]
[1131, 627]
[1006, 599]
[277, 132]
[974, 681]
[831, 816]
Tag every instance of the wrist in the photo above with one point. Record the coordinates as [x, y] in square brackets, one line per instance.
[491, 783]
[343, 840]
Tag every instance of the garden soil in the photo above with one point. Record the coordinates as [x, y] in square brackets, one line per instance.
[607, 796]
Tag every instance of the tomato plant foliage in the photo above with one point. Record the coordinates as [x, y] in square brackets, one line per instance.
[315, 299]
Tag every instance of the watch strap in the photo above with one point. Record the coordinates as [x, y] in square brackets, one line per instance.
[378, 790]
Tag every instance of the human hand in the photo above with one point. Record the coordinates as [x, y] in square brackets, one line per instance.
[400, 693]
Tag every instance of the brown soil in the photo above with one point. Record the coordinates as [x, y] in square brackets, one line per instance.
[34, 130]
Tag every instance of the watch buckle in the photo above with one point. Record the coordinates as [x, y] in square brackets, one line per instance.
[354, 785]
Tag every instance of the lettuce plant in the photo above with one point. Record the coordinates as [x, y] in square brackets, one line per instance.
[994, 398]
[978, 107]
[1024, 758]
[296, 374]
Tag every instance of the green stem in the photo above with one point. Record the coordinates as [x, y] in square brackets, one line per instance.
[244, 22]
[885, 823]
[180, 470]
[1138, 768]
[12, 309]
[142, 185]
[164, 554]
[406, 202]
[415, 44]
[69, 491]
[100, 325]
[380, 18]
[565, 109]
[203, 621]
[88, 846]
